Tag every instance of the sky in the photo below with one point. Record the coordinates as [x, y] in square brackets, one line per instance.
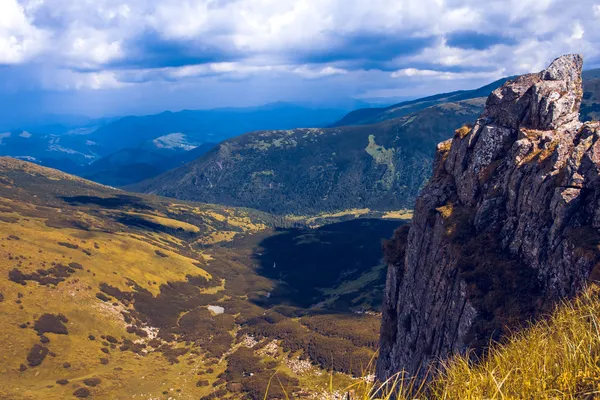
[118, 57]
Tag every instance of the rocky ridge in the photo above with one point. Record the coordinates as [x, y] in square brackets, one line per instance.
[507, 226]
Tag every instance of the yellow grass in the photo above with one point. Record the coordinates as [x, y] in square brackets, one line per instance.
[401, 214]
[462, 131]
[119, 256]
[168, 222]
[322, 218]
[556, 358]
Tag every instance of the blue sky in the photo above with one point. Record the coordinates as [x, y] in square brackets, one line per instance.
[114, 57]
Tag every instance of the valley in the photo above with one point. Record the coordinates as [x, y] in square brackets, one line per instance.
[299, 200]
[107, 294]
[276, 264]
[375, 158]
[123, 150]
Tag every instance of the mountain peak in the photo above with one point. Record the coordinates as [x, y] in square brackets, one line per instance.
[497, 237]
[547, 100]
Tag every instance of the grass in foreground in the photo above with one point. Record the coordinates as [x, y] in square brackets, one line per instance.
[556, 358]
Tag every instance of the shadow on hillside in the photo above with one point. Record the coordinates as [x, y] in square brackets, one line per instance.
[303, 261]
[116, 202]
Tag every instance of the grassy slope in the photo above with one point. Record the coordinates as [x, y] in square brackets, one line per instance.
[381, 166]
[144, 246]
[555, 358]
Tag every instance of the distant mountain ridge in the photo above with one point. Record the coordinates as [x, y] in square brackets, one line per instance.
[65, 145]
[209, 125]
[370, 115]
[381, 165]
[136, 164]
[308, 171]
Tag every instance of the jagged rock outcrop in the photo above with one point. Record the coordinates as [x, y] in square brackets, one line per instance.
[508, 224]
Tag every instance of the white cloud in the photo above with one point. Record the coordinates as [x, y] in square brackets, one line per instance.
[578, 31]
[65, 79]
[92, 47]
[19, 39]
[445, 75]
[312, 72]
[133, 42]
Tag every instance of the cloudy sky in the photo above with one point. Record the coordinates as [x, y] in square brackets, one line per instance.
[110, 57]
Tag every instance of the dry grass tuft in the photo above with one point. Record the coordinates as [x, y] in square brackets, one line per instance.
[554, 358]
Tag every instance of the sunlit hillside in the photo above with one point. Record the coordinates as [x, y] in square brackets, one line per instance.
[111, 295]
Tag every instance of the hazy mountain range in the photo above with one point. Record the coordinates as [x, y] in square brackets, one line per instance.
[73, 144]
[376, 158]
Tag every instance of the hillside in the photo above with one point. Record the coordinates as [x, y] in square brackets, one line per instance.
[136, 164]
[209, 125]
[71, 147]
[107, 294]
[504, 230]
[308, 171]
[555, 357]
[366, 116]
[380, 166]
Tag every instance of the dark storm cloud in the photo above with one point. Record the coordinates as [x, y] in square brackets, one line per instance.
[365, 50]
[150, 50]
[477, 41]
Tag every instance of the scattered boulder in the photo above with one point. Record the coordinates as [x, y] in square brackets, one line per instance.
[111, 339]
[36, 355]
[161, 254]
[102, 297]
[51, 323]
[92, 382]
[81, 393]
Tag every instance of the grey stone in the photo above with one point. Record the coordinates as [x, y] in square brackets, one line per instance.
[525, 182]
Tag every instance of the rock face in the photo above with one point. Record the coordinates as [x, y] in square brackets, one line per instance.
[508, 224]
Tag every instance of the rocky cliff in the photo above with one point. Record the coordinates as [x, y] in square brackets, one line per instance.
[508, 224]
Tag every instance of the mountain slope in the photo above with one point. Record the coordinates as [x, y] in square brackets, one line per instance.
[113, 295]
[504, 230]
[308, 171]
[379, 166]
[366, 116]
[208, 125]
[133, 165]
[72, 148]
